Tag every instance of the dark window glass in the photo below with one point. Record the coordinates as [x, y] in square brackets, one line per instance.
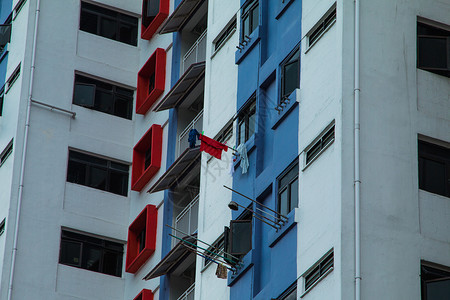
[141, 240]
[247, 121]
[150, 8]
[322, 26]
[148, 157]
[290, 74]
[288, 190]
[435, 283]
[319, 270]
[97, 173]
[321, 143]
[434, 168]
[104, 97]
[151, 83]
[250, 18]
[2, 226]
[6, 152]
[238, 238]
[290, 294]
[91, 253]
[2, 97]
[108, 23]
[12, 78]
[433, 49]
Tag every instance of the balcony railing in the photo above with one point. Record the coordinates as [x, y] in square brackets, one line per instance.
[197, 52]
[188, 294]
[187, 220]
[183, 142]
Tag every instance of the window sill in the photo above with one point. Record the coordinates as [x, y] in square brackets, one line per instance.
[254, 39]
[247, 262]
[250, 145]
[280, 116]
[282, 8]
[276, 234]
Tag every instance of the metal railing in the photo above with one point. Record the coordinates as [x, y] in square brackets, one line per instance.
[183, 142]
[187, 220]
[188, 294]
[196, 53]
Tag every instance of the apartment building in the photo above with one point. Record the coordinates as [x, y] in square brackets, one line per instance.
[335, 118]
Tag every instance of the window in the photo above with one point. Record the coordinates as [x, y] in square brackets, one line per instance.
[2, 226]
[18, 7]
[223, 36]
[288, 190]
[247, 121]
[151, 81]
[108, 23]
[433, 48]
[141, 241]
[320, 144]
[154, 12]
[12, 78]
[318, 271]
[238, 237]
[290, 293]
[6, 152]
[91, 253]
[2, 99]
[102, 96]
[144, 295]
[217, 247]
[435, 282]
[146, 157]
[434, 168]
[290, 74]
[322, 26]
[250, 18]
[98, 173]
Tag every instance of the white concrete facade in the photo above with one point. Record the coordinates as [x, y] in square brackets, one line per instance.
[401, 225]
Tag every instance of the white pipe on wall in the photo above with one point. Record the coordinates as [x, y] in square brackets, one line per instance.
[24, 152]
[357, 179]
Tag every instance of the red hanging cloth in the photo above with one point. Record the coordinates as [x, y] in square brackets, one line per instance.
[211, 146]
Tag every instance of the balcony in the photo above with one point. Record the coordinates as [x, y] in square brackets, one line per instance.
[196, 123]
[197, 53]
[187, 220]
[188, 294]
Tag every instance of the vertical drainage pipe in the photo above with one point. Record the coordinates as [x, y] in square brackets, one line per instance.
[357, 180]
[24, 152]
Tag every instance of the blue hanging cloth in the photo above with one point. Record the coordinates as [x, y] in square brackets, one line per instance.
[193, 135]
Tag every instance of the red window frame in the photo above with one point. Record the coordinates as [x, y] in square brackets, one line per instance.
[144, 295]
[140, 175]
[147, 220]
[149, 31]
[155, 65]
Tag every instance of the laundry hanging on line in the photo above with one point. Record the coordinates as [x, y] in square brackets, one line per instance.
[211, 146]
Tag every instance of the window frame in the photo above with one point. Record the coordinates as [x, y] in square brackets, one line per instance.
[444, 71]
[147, 31]
[2, 226]
[155, 65]
[218, 246]
[88, 239]
[288, 187]
[321, 27]
[12, 78]
[2, 100]
[145, 294]
[224, 35]
[140, 174]
[437, 153]
[6, 152]
[244, 117]
[99, 86]
[109, 169]
[292, 58]
[248, 12]
[112, 15]
[432, 267]
[321, 143]
[246, 217]
[323, 267]
[146, 221]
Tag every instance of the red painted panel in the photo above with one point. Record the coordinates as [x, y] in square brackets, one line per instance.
[155, 65]
[148, 220]
[149, 31]
[144, 295]
[139, 175]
